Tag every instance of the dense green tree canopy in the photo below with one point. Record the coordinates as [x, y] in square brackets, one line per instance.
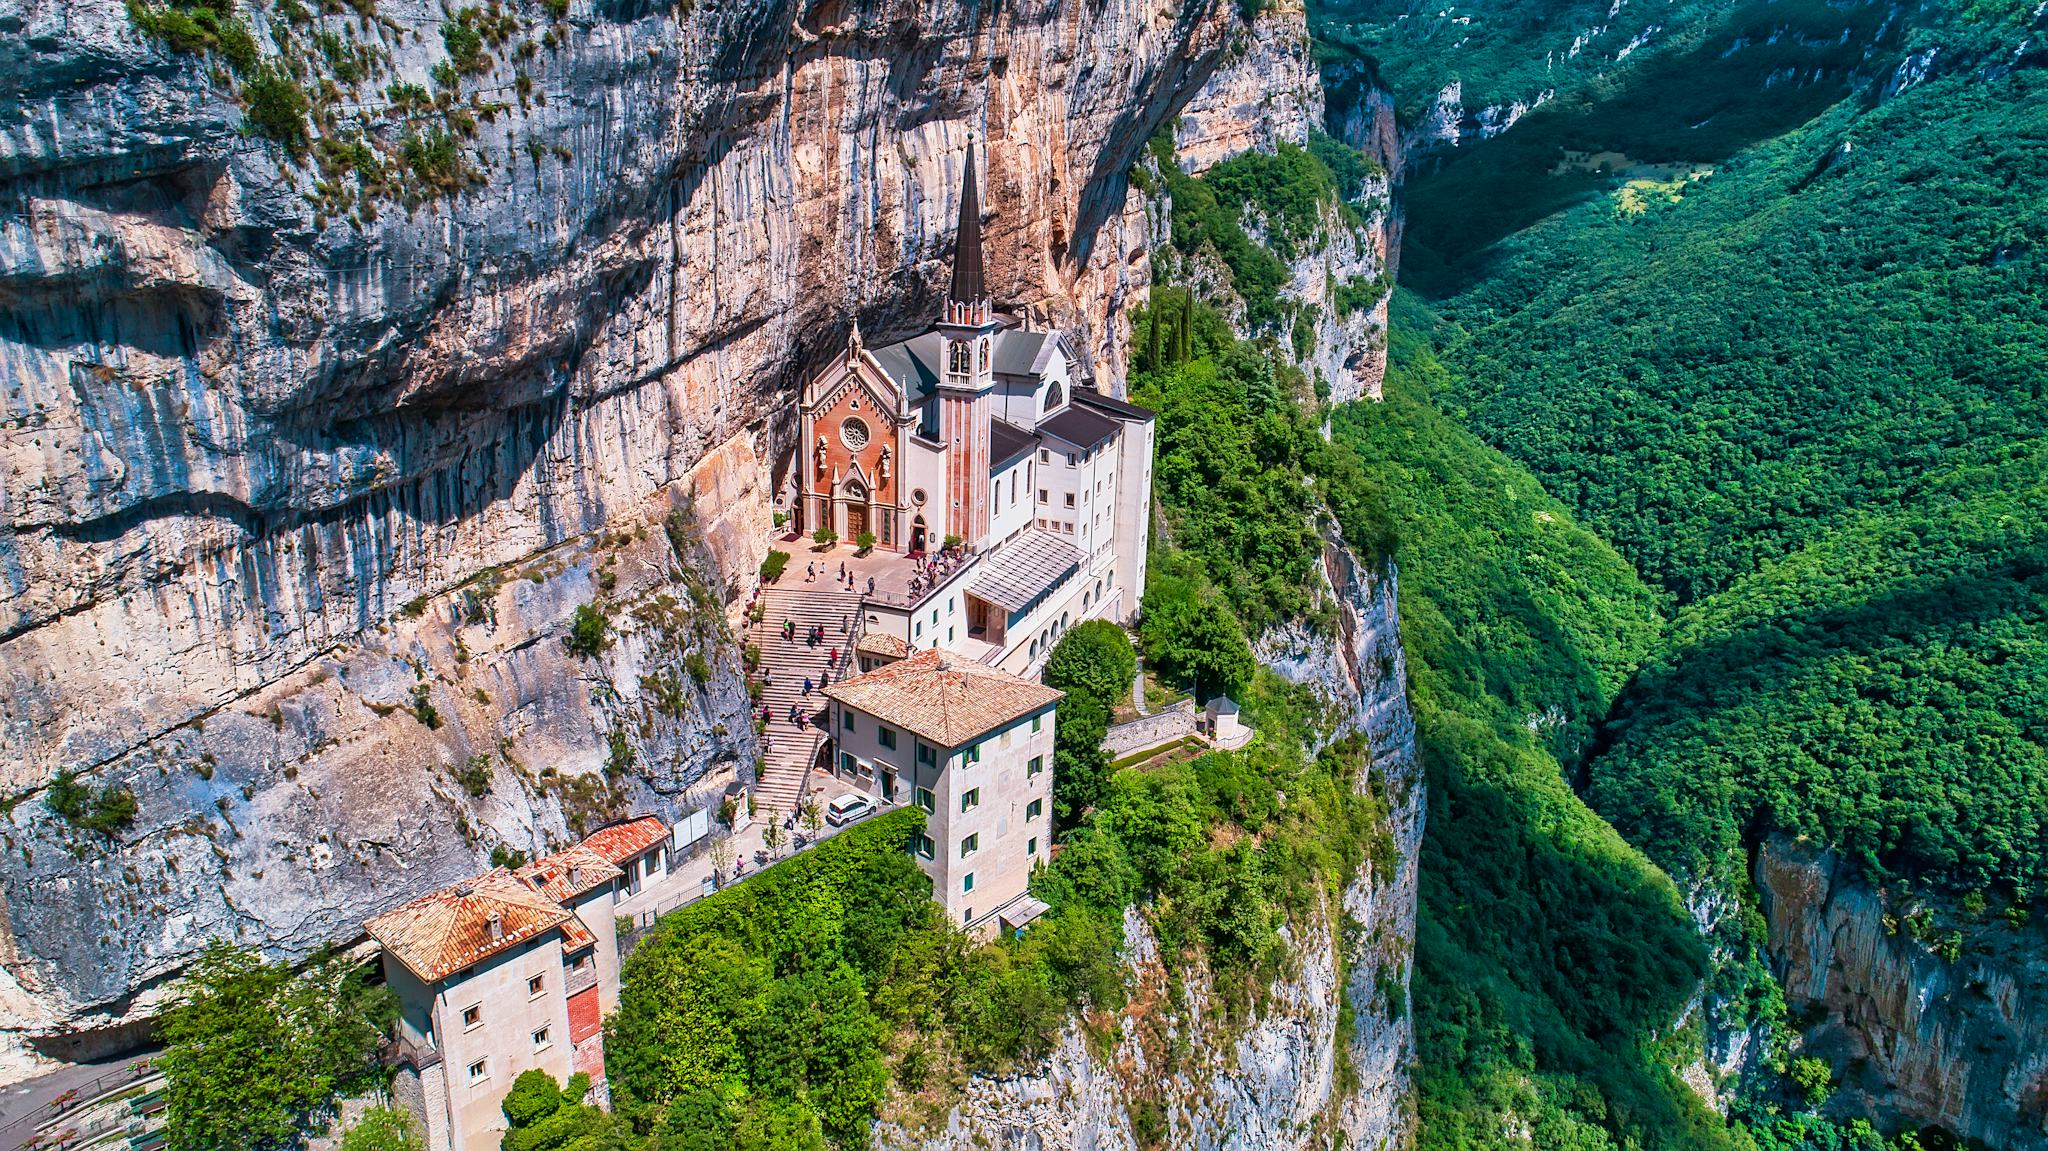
[1093, 659]
[254, 1052]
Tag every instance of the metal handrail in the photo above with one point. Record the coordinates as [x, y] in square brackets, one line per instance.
[85, 1093]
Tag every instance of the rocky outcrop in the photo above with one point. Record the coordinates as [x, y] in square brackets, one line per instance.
[1181, 1073]
[261, 455]
[1915, 1039]
[1268, 94]
[1447, 122]
[1361, 677]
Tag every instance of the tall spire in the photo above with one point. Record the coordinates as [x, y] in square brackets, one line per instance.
[968, 285]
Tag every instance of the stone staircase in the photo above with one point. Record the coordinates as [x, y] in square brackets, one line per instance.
[792, 750]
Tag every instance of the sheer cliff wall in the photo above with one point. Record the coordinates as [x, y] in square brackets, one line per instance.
[297, 508]
[1914, 1039]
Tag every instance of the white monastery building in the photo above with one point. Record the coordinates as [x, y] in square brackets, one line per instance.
[985, 433]
[972, 746]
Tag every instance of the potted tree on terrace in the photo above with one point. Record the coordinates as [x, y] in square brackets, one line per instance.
[824, 538]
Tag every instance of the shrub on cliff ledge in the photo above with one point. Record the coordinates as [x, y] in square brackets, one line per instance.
[589, 633]
[105, 811]
[208, 26]
[276, 108]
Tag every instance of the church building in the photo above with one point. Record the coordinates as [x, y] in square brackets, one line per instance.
[984, 439]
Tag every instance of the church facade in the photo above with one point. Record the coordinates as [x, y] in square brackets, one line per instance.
[984, 439]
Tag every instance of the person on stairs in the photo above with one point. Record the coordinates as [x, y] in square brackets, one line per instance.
[807, 685]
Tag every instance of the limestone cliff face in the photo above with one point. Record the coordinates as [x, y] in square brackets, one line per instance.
[1361, 676]
[277, 485]
[1915, 1039]
[1266, 93]
[1269, 93]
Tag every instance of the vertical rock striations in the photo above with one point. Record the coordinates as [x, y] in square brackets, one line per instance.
[297, 506]
[1915, 1039]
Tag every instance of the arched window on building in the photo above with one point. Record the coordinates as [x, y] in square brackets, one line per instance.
[1055, 396]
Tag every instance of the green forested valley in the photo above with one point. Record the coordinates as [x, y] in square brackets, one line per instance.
[1716, 444]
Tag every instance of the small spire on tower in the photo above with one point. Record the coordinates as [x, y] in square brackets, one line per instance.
[968, 284]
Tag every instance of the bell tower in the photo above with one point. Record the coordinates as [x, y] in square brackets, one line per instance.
[967, 331]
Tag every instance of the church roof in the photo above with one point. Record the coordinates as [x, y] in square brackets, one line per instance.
[1007, 443]
[1112, 405]
[968, 285]
[1023, 353]
[1080, 426]
[912, 363]
[943, 696]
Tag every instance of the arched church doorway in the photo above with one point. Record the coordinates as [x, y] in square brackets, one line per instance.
[856, 510]
[917, 536]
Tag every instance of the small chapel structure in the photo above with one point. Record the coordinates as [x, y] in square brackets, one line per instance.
[987, 434]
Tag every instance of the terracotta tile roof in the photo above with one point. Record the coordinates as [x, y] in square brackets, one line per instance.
[883, 644]
[575, 936]
[622, 841]
[944, 696]
[436, 935]
[551, 873]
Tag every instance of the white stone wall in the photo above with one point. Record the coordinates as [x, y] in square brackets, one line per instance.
[502, 1038]
[1010, 837]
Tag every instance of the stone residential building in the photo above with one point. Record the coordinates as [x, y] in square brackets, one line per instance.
[586, 883]
[972, 745]
[512, 971]
[480, 971]
[639, 848]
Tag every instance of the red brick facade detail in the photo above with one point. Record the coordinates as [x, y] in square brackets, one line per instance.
[590, 1057]
[585, 1020]
[839, 460]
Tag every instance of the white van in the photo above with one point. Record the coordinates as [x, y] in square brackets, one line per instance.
[847, 808]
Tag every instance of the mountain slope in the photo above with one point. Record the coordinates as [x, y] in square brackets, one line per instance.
[1771, 322]
[1551, 957]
